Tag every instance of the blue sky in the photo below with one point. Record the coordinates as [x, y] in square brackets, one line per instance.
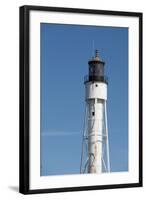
[65, 51]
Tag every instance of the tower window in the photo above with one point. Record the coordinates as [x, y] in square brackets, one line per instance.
[93, 113]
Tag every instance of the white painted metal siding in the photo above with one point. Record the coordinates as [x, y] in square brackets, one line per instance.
[96, 90]
[95, 135]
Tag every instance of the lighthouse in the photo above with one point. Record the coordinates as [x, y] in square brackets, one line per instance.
[95, 145]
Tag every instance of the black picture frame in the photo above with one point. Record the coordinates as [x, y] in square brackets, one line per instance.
[25, 105]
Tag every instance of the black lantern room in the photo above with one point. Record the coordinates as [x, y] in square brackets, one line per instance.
[96, 69]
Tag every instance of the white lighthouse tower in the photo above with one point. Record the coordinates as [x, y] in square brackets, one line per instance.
[95, 146]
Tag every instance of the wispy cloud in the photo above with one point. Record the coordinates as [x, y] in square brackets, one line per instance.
[60, 133]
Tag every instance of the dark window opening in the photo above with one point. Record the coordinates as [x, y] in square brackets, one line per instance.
[93, 113]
